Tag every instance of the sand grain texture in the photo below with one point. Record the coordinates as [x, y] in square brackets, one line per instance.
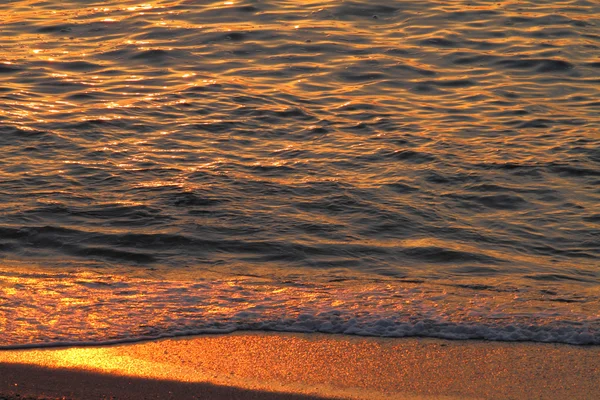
[265, 366]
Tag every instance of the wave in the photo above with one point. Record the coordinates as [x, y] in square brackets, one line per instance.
[293, 146]
[41, 309]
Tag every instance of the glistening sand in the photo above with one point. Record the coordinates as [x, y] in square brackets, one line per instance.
[267, 366]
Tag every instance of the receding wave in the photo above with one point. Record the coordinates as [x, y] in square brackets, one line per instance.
[88, 308]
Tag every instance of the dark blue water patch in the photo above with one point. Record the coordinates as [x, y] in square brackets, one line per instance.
[409, 70]
[214, 126]
[388, 225]
[26, 182]
[439, 42]
[517, 169]
[448, 178]
[472, 15]
[274, 170]
[397, 51]
[12, 134]
[579, 99]
[588, 150]
[9, 68]
[477, 270]
[59, 86]
[427, 89]
[476, 286]
[442, 255]
[235, 36]
[334, 204]
[154, 241]
[357, 107]
[545, 20]
[294, 153]
[412, 156]
[572, 170]
[77, 66]
[401, 188]
[104, 215]
[533, 123]
[513, 20]
[549, 33]
[574, 253]
[556, 278]
[302, 69]
[72, 242]
[117, 54]
[247, 8]
[564, 300]
[405, 138]
[511, 113]
[483, 45]
[83, 96]
[318, 228]
[508, 95]
[163, 35]
[248, 99]
[109, 254]
[60, 29]
[595, 218]
[256, 40]
[273, 117]
[545, 194]
[238, 13]
[118, 214]
[38, 145]
[360, 74]
[323, 48]
[292, 258]
[94, 176]
[454, 83]
[159, 56]
[362, 9]
[302, 254]
[464, 58]
[296, 113]
[8, 247]
[538, 65]
[369, 123]
[455, 116]
[31, 232]
[190, 199]
[497, 201]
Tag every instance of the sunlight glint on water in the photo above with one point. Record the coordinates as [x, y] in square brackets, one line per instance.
[390, 168]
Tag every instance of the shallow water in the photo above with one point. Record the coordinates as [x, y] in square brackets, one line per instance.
[399, 168]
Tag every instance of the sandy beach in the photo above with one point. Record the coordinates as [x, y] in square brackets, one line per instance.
[299, 366]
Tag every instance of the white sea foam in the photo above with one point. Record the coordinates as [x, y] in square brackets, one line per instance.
[46, 310]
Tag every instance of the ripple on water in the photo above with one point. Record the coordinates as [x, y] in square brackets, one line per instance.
[353, 142]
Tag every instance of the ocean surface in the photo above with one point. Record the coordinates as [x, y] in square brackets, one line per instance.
[386, 168]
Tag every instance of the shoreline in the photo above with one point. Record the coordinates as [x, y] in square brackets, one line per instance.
[266, 365]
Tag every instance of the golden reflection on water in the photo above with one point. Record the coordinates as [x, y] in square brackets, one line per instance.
[87, 307]
[428, 141]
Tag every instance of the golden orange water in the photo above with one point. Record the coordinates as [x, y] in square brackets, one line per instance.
[389, 168]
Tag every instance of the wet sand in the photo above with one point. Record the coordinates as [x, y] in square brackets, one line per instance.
[298, 366]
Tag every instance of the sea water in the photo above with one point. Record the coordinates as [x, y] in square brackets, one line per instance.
[386, 168]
